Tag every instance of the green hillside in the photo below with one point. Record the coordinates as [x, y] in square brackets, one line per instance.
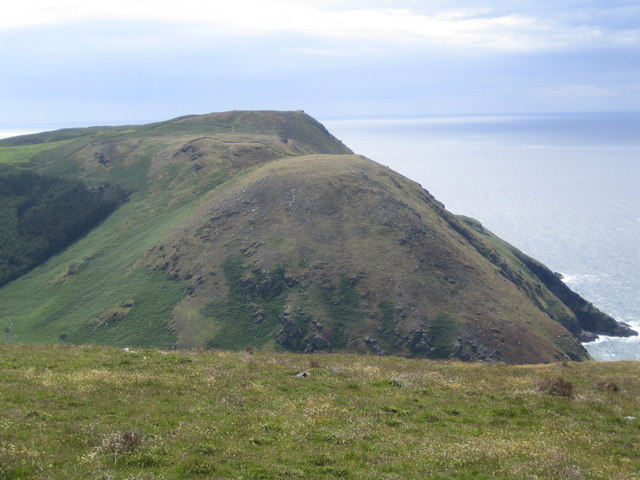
[260, 229]
[166, 166]
[105, 413]
[40, 215]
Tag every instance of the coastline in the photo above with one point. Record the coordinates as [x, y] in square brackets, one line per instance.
[566, 200]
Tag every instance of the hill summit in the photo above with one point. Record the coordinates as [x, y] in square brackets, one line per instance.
[262, 230]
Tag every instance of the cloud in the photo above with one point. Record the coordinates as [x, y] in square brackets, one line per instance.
[129, 61]
[465, 24]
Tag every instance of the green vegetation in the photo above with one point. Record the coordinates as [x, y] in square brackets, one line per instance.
[24, 153]
[543, 287]
[77, 295]
[105, 413]
[388, 323]
[41, 215]
[443, 331]
[342, 307]
[249, 316]
[140, 320]
[61, 299]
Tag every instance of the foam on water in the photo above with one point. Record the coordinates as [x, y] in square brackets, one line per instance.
[578, 278]
[607, 348]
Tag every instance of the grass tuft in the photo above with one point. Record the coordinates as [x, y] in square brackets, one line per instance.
[556, 386]
[120, 442]
[604, 386]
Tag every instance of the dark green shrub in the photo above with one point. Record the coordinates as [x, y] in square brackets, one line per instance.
[443, 331]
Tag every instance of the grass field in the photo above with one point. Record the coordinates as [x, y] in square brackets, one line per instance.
[24, 153]
[107, 413]
[96, 274]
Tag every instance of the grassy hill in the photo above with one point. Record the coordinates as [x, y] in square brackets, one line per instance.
[261, 229]
[106, 413]
[167, 166]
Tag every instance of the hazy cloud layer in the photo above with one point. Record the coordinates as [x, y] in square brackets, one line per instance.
[512, 25]
[91, 62]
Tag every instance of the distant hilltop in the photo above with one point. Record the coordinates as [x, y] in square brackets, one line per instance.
[259, 229]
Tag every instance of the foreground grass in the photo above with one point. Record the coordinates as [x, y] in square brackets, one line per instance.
[105, 413]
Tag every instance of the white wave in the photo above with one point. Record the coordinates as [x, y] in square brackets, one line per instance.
[579, 278]
[614, 348]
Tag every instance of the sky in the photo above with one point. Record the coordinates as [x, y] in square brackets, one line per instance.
[89, 62]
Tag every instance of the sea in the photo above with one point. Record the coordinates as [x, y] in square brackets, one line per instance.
[563, 188]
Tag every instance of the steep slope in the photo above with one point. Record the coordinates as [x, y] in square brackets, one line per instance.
[261, 229]
[545, 288]
[320, 252]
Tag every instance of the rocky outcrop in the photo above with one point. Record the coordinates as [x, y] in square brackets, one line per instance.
[544, 287]
[591, 321]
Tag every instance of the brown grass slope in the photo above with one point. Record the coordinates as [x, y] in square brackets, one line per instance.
[336, 251]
